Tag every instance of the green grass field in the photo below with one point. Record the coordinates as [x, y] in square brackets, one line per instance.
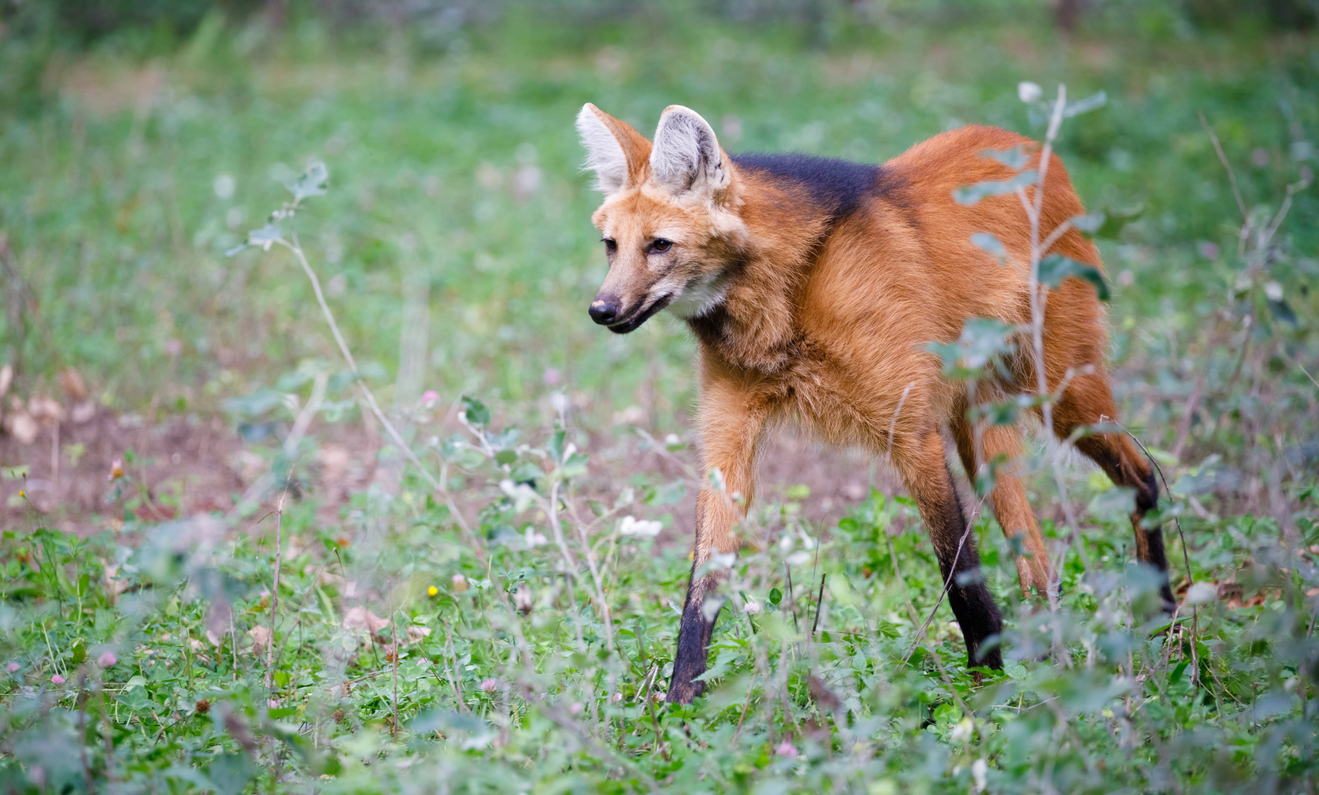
[445, 629]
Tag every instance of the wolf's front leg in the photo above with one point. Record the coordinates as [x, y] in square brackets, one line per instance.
[716, 517]
[732, 421]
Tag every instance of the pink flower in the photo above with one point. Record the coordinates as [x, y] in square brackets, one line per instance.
[272, 703]
[106, 660]
[57, 679]
[429, 396]
[12, 668]
[488, 685]
[576, 708]
[786, 749]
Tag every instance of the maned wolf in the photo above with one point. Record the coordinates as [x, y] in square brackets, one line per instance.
[814, 287]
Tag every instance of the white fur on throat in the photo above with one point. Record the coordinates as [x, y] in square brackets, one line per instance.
[686, 154]
[700, 296]
[604, 155]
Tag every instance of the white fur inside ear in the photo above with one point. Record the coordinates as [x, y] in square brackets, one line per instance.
[604, 155]
[686, 154]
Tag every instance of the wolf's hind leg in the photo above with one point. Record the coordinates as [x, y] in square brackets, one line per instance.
[1088, 401]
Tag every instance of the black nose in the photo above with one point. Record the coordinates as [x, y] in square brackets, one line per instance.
[604, 312]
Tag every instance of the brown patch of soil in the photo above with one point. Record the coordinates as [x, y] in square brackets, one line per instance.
[183, 466]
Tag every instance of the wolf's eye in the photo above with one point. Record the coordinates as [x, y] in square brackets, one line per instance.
[610, 245]
[661, 245]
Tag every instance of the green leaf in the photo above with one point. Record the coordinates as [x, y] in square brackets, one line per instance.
[1092, 102]
[971, 194]
[1055, 268]
[990, 244]
[526, 472]
[475, 410]
[982, 342]
[505, 457]
[231, 772]
[1115, 220]
[775, 596]
[1176, 675]
[262, 238]
[310, 183]
[1014, 158]
[668, 494]
[1281, 310]
[1088, 223]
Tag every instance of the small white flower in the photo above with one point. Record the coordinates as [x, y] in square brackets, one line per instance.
[962, 731]
[752, 607]
[978, 770]
[522, 494]
[224, 186]
[632, 526]
[1029, 92]
[535, 539]
[1201, 593]
[725, 561]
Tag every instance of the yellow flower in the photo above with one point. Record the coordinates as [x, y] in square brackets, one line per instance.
[432, 591]
[22, 494]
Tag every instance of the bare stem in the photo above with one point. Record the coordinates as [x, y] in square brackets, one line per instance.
[274, 594]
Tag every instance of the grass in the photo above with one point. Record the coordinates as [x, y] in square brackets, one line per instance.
[501, 632]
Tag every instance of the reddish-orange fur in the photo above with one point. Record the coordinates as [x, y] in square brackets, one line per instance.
[835, 334]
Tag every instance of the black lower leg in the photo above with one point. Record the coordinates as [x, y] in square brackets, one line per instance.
[959, 563]
[1123, 468]
[1147, 499]
[698, 617]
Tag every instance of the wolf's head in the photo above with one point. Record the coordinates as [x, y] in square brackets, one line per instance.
[669, 216]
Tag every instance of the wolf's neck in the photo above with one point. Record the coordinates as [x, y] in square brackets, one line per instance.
[755, 326]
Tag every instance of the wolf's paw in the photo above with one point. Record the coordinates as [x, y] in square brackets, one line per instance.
[1037, 578]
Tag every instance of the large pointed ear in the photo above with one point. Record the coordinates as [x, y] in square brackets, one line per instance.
[615, 151]
[686, 155]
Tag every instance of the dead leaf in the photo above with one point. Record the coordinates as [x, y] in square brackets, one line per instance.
[20, 425]
[249, 466]
[6, 378]
[113, 584]
[522, 598]
[361, 618]
[260, 636]
[73, 386]
[82, 412]
[45, 410]
[416, 634]
[822, 695]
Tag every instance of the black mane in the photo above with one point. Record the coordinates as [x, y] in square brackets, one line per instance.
[838, 186]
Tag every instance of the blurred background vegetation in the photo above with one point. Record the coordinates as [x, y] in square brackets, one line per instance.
[139, 138]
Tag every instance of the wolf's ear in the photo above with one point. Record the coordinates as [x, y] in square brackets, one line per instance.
[686, 155]
[615, 151]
